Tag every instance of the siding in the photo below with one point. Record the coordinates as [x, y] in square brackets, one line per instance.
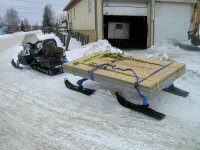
[80, 16]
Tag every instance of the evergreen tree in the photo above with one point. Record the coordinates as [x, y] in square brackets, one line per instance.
[48, 16]
[22, 26]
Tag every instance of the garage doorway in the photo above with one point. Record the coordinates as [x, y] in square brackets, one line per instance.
[126, 31]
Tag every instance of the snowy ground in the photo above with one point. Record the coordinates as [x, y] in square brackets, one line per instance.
[38, 112]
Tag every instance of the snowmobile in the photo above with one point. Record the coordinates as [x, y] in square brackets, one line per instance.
[41, 55]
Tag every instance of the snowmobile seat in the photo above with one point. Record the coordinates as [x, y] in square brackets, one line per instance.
[50, 50]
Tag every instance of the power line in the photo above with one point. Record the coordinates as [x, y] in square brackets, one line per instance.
[40, 11]
[42, 8]
[23, 7]
[17, 6]
[22, 12]
[31, 2]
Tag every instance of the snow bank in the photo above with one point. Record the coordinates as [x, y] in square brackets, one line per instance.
[7, 36]
[159, 56]
[101, 45]
[77, 51]
[166, 45]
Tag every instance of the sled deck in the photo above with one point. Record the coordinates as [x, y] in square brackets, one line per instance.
[139, 76]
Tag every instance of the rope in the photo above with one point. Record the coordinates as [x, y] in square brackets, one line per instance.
[114, 67]
[156, 71]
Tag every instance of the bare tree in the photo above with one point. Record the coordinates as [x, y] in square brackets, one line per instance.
[12, 20]
[48, 16]
[26, 25]
[1, 21]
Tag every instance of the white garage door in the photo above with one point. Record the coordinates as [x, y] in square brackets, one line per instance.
[172, 21]
[125, 7]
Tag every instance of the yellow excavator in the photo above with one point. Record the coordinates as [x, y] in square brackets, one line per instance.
[193, 33]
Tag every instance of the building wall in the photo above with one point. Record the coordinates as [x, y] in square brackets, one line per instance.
[82, 18]
[99, 19]
[172, 19]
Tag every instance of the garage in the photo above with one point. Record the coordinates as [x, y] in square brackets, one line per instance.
[125, 23]
[172, 21]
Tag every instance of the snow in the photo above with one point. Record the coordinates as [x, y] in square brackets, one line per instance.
[7, 36]
[77, 51]
[183, 108]
[38, 112]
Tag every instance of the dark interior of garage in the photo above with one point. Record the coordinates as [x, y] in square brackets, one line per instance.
[137, 31]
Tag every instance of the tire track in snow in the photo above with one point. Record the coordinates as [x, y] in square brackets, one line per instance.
[83, 123]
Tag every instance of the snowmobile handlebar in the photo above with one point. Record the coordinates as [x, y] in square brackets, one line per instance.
[34, 44]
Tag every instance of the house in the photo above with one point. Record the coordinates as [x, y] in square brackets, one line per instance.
[130, 23]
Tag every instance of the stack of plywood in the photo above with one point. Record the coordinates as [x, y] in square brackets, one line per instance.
[154, 75]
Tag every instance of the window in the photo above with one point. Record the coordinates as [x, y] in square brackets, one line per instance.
[70, 17]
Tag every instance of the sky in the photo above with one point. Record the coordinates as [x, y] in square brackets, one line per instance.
[32, 9]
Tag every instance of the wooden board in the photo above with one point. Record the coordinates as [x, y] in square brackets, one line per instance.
[166, 72]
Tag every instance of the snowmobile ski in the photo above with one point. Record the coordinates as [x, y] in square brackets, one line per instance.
[139, 108]
[15, 65]
[174, 90]
[80, 89]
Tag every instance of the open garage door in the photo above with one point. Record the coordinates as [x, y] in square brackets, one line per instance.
[125, 7]
[125, 23]
[172, 21]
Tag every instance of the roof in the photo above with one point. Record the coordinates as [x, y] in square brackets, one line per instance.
[71, 4]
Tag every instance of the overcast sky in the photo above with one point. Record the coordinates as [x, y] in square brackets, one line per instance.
[32, 9]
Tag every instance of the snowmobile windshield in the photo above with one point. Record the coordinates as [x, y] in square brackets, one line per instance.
[32, 38]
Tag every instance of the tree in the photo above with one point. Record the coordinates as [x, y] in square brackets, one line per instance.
[26, 25]
[36, 27]
[22, 26]
[48, 16]
[1, 21]
[12, 20]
